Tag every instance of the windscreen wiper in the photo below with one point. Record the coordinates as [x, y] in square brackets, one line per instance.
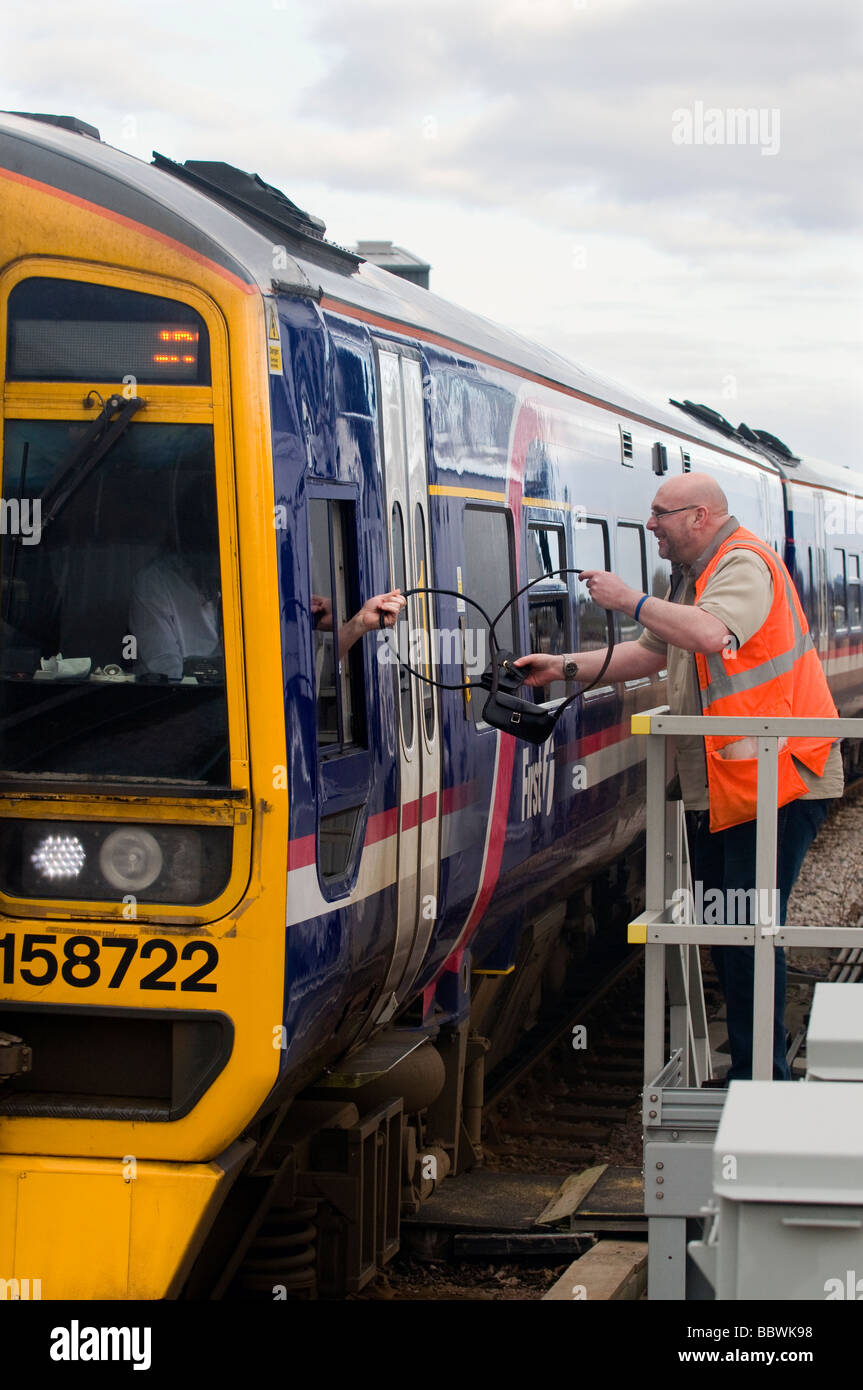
[99, 438]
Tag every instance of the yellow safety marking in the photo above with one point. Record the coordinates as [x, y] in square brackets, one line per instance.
[438, 490]
[639, 724]
[508, 971]
[636, 933]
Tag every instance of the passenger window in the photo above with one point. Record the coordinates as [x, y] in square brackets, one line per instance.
[401, 676]
[333, 594]
[427, 696]
[840, 598]
[632, 569]
[591, 553]
[488, 580]
[854, 606]
[548, 602]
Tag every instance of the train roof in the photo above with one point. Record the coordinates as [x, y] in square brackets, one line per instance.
[232, 218]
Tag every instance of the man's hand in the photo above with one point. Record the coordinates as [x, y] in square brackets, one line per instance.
[541, 668]
[369, 617]
[390, 605]
[610, 592]
[322, 612]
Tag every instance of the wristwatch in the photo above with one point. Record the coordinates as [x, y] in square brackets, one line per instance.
[570, 668]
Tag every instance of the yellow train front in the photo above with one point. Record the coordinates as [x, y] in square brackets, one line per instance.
[141, 955]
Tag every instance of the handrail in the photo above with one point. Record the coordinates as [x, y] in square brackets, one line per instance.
[667, 867]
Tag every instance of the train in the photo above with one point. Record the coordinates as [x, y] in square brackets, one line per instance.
[273, 907]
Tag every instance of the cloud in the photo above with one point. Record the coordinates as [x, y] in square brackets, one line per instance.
[525, 147]
[525, 99]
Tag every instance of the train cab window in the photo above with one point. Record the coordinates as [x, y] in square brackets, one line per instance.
[548, 601]
[488, 580]
[68, 330]
[632, 569]
[111, 641]
[840, 596]
[854, 605]
[591, 553]
[338, 679]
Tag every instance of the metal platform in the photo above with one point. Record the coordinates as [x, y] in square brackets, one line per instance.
[681, 1120]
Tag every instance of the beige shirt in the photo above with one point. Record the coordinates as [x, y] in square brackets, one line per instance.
[739, 593]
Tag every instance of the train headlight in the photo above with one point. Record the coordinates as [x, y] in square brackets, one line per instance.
[104, 862]
[131, 859]
[58, 857]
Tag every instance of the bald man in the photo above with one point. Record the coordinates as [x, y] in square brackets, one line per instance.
[690, 520]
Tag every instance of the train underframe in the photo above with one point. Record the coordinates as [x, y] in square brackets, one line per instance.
[316, 1211]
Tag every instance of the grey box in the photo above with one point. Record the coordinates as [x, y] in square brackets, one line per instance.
[834, 1041]
[788, 1172]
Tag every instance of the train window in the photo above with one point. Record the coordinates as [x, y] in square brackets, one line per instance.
[548, 602]
[68, 330]
[488, 580]
[854, 606]
[336, 842]
[111, 644]
[632, 569]
[811, 604]
[591, 553]
[401, 677]
[427, 696]
[337, 675]
[840, 597]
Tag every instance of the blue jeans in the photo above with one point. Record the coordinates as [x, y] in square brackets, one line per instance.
[726, 862]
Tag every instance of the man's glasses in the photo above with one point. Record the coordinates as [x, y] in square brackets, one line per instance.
[658, 513]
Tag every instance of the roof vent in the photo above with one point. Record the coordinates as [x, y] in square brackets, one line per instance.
[257, 202]
[73, 123]
[706, 416]
[771, 442]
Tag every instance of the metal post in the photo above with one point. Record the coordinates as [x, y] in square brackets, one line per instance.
[654, 892]
[766, 917]
[676, 973]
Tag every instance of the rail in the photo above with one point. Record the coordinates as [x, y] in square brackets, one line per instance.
[667, 880]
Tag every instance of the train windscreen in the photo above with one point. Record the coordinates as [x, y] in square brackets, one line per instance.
[111, 643]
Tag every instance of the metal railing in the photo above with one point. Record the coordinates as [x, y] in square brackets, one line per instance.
[665, 923]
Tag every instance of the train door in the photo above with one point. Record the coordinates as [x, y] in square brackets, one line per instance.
[418, 735]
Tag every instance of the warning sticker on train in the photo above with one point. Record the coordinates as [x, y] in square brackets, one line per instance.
[274, 340]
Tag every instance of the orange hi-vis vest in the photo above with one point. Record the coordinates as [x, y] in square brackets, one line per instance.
[777, 672]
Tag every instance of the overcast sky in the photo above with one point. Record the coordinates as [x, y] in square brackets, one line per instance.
[568, 167]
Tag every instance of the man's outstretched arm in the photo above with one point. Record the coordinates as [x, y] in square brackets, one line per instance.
[628, 661]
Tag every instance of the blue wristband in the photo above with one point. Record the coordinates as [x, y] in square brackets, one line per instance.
[638, 605]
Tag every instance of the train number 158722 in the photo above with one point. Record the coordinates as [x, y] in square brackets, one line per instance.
[81, 961]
